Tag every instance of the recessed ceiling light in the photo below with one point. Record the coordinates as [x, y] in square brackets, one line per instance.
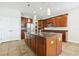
[40, 8]
[28, 5]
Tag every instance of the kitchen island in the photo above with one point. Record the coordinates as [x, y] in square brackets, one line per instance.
[45, 44]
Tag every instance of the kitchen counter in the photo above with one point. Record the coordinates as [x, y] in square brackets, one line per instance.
[44, 35]
[56, 28]
[48, 34]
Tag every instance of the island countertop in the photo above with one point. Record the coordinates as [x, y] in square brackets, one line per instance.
[46, 34]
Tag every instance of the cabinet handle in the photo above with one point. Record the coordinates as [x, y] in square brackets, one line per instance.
[52, 42]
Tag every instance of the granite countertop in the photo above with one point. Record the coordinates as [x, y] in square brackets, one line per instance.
[46, 34]
[55, 28]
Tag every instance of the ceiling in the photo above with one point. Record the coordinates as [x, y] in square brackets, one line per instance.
[30, 9]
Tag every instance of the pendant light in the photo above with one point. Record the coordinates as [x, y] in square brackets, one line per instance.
[48, 11]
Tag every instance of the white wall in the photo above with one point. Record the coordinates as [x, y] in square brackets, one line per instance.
[73, 25]
[10, 24]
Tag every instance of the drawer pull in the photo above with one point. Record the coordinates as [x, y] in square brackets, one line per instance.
[52, 42]
[59, 39]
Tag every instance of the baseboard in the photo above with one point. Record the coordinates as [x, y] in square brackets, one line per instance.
[73, 41]
[10, 40]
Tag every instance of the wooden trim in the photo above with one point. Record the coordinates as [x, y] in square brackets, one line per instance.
[58, 16]
[54, 16]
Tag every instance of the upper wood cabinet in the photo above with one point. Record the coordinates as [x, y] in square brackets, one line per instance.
[58, 21]
[61, 21]
[51, 20]
[24, 20]
[42, 23]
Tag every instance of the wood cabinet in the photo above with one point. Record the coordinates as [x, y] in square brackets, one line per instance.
[51, 46]
[48, 45]
[42, 23]
[61, 21]
[59, 44]
[33, 43]
[58, 21]
[40, 46]
[22, 35]
[54, 45]
[52, 21]
[24, 22]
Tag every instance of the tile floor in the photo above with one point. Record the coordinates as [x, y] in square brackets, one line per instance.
[19, 48]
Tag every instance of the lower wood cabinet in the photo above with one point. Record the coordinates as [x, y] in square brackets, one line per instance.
[51, 46]
[40, 46]
[45, 46]
[59, 44]
[33, 43]
[22, 35]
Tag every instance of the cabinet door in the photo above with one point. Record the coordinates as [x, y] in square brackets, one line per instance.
[42, 23]
[33, 47]
[52, 20]
[61, 21]
[22, 35]
[37, 45]
[64, 37]
[59, 44]
[51, 46]
[45, 22]
[40, 46]
[39, 24]
[57, 21]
